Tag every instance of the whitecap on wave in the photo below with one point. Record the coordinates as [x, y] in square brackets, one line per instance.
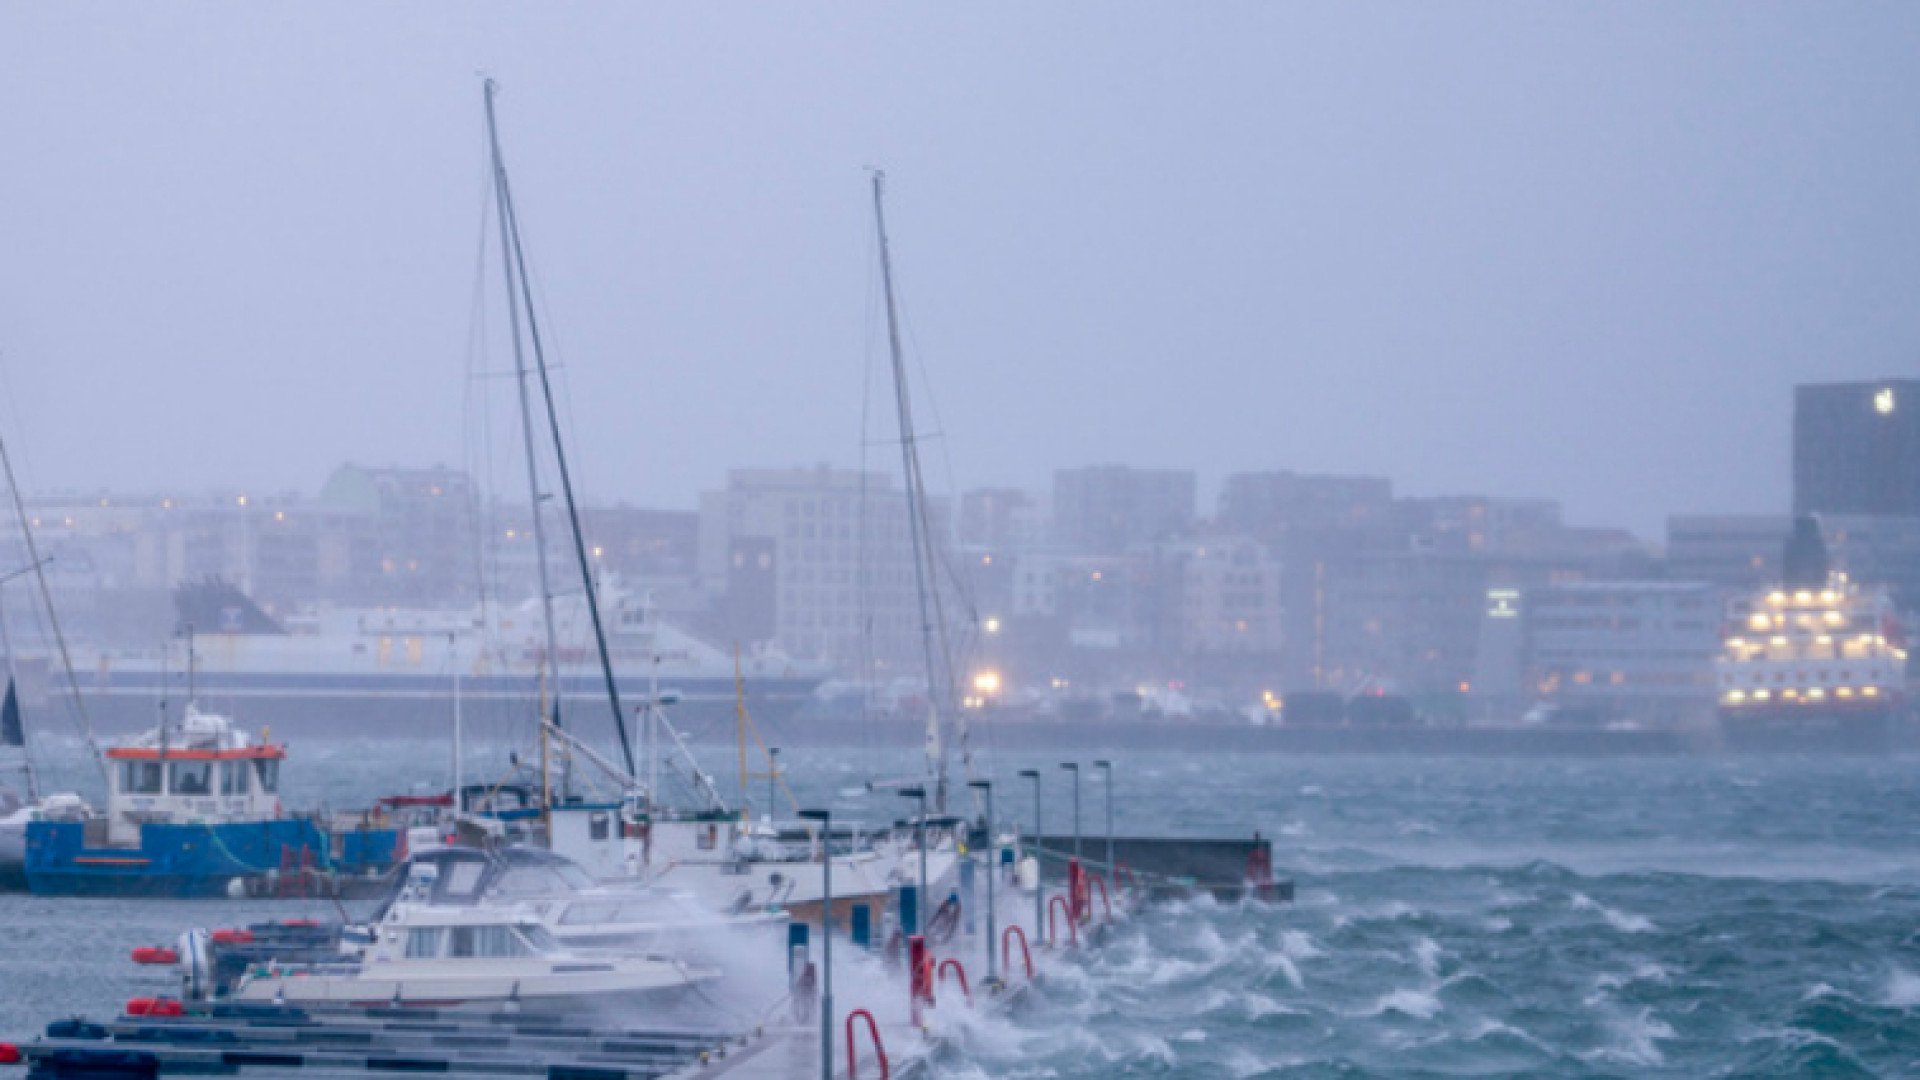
[1624, 921]
[1902, 990]
[1426, 956]
[1418, 1004]
[1635, 1037]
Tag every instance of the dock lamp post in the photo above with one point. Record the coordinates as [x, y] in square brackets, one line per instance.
[1039, 865]
[920, 832]
[1106, 773]
[985, 787]
[1074, 768]
[825, 818]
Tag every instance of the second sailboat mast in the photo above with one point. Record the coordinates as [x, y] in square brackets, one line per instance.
[931, 621]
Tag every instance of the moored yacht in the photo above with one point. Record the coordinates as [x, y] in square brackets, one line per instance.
[446, 957]
[580, 912]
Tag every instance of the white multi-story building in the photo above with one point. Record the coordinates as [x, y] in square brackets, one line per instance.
[1229, 596]
[840, 584]
[1625, 650]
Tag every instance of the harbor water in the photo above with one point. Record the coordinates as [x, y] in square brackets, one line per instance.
[1676, 917]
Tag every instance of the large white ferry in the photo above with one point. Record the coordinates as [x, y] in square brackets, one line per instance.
[365, 670]
[1817, 663]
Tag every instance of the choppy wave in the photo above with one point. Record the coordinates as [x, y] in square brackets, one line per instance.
[1522, 937]
[1460, 917]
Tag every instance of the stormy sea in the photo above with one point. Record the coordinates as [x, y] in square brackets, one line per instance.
[1454, 916]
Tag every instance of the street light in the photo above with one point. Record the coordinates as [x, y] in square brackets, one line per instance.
[1106, 772]
[1074, 768]
[825, 818]
[1039, 867]
[920, 793]
[986, 787]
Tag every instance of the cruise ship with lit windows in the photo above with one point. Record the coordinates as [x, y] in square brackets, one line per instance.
[1818, 663]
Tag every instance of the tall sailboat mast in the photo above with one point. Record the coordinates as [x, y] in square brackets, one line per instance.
[932, 618]
[548, 666]
[516, 270]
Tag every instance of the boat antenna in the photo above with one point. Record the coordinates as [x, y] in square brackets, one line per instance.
[166, 677]
[453, 654]
[53, 618]
[932, 619]
[514, 255]
[193, 666]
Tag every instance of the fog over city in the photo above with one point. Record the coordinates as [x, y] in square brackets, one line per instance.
[697, 540]
[1575, 253]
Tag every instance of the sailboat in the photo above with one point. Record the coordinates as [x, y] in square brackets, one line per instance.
[936, 650]
[708, 849]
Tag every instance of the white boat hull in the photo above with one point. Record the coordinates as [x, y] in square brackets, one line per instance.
[450, 985]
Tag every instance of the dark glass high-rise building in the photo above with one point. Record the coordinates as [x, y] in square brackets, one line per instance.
[1856, 448]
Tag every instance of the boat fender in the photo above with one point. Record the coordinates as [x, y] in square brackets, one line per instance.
[806, 993]
[1029, 874]
[155, 955]
[9, 1054]
[196, 982]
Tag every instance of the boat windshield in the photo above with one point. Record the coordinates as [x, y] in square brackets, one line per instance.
[540, 938]
[544, 878]
[490, 942]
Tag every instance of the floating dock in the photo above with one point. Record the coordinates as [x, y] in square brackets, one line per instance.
[1228, 868]
[885, 1015]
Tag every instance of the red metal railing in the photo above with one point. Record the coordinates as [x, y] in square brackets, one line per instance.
[919, 976]
[1006, 950]
[1105, 905]
[879, 1048]
[1059, 904]
[960, 971]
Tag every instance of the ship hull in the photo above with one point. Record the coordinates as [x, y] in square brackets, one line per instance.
[410, 705]
[1878, 730]
[200, 860]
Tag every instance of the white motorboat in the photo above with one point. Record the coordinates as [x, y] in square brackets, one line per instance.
[578, 911]
[442, 956]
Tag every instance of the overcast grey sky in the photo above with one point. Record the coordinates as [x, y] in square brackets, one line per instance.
[1581, 251]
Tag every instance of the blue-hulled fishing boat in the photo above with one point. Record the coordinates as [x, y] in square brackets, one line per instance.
[193, 809]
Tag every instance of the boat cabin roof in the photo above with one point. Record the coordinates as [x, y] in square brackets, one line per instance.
[198, 736]
[465, 876]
